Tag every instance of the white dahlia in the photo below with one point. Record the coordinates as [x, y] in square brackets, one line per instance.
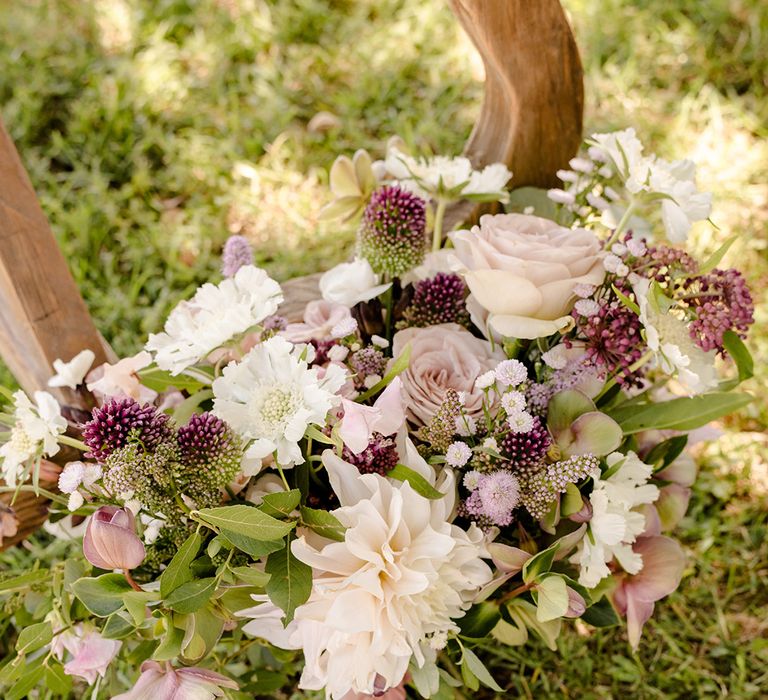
[213, 316]
[271, 396]
[398, 581]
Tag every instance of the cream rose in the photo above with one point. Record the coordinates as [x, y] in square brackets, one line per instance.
[522, 270]
[443, 357]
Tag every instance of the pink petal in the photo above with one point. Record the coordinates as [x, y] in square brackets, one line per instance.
[355, 429]
[663, 566]
[508, 559]
[672, 504]
[203, 675]
[638, 613]
[390, 406]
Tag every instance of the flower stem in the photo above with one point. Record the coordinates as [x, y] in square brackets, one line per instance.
[437, 232]
[621, 225]
[632, 368]
[130, 580]
[72, 442]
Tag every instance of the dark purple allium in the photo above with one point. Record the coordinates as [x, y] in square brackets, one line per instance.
[121, 420]
[722, 302]
[237, 253]
[612, 337]
[206, 438]
[438, 300]
[392, 234]
[525, 450]
[211, 454]
[378, 458]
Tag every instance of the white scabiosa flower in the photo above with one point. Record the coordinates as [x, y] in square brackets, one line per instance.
[674, 350]
[271, 396]
[402, 575]
[34, 433]
[213, 316]
[615, 524]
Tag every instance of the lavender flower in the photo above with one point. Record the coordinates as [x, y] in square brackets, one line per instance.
[120, 421]
[392, 235]
[440, 299]
[495, 497]
[237, 253]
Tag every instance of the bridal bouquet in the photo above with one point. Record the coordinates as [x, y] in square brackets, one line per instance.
[469, 437]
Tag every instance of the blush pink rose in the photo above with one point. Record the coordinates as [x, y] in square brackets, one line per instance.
[522, 270]
[443, 357]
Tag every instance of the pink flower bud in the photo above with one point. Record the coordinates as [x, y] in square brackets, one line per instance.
[111, 541]
[584, 515]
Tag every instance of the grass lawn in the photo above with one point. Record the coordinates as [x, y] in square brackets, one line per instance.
[154, 129]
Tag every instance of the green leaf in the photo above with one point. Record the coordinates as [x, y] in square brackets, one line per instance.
[740, 354]
[552, 598]
[102, 595]
[572, 502]
[183, 412]
[245, 520]
[601, 614]
[565, 407]
[170, 645]
[202, 631]
[418, 483]
[136, 604]
[251, 575]
[31, 675]
[290, 581]
[23, 582]
[34, 637]
[716, 258]
[524, 615]
[399, 366]
[159, 380]
[256, 548]
[686, 413]
[479, 620]
[479, 670]
[523, 197]
[624, 299]
[512, 635]
[118, 627]
[57, 680]
[540, 563]
[178, 571]
[666, 452]
[280, 504]
[191, 596]
[323, 523]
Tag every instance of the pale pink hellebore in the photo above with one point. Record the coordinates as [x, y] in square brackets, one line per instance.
[163, 682]
[110, 540]
[91, 653]
[635, 596]
[386, 416]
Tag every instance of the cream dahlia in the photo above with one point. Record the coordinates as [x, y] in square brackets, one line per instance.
[213, 316]
[402, 576]
[271, 396]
